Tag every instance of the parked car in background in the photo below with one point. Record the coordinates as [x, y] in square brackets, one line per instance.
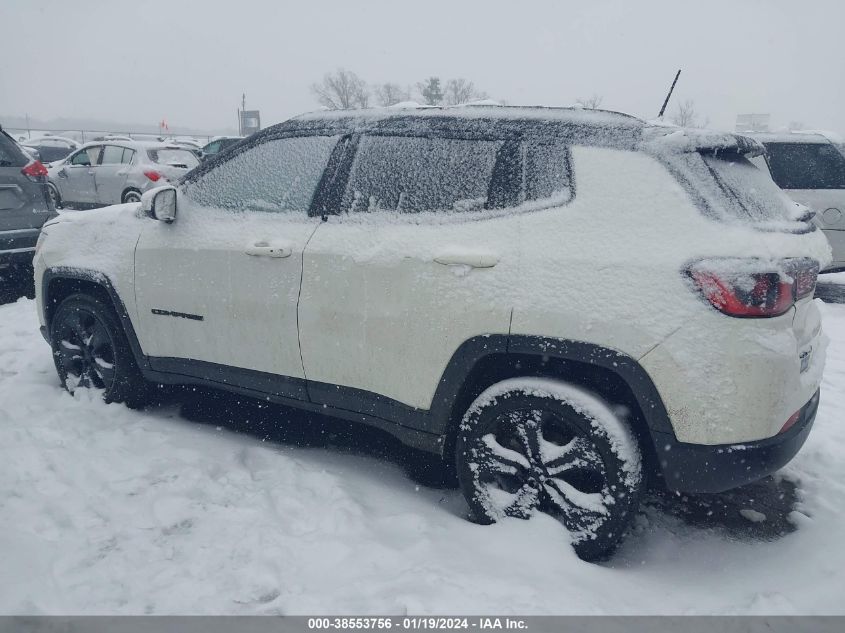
[24, 207]
[564, 305]
[219, 144]
[112, 172]
[51, 148]
[810, 168]
[190, 144]
[112, 137]
[29, 151]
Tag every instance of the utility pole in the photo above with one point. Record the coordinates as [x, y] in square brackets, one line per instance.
[241, 115]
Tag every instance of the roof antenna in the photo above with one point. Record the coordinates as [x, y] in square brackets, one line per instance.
[666, 102]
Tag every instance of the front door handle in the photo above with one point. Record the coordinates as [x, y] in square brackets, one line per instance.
[473, 259]
[265, 249]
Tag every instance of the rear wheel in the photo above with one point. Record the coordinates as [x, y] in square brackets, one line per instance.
[54, 195]
[132, 195]
[531, 445]
[90, 349]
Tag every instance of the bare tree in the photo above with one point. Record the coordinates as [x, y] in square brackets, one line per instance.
[388, 94]
[431, 91]
[591, 103]
[461, 91]
[342, 90]
[686, 116]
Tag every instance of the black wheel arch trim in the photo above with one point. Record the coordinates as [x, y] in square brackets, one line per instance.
[93, 277]
[625, 367]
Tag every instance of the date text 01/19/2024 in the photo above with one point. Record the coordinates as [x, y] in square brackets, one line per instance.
[417, 623]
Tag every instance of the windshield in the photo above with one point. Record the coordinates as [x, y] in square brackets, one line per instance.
[806, 165]
[174, 157]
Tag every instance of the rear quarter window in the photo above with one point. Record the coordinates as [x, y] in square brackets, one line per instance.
[806, 165]
[10, 154]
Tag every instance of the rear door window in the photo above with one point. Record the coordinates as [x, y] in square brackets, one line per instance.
[280, 175]
[410, 174]
[112, 155]
[806, 165]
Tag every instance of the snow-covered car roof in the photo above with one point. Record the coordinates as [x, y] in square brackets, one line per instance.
[795, 137]
[656, 134]
[34, 142]
[603, 128]
[571, 115]
[137, 145]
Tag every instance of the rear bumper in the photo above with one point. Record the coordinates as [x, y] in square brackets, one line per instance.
[716, 468]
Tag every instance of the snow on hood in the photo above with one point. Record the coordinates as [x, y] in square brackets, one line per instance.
[97, 216]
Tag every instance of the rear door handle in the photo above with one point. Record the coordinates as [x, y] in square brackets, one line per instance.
[469, 258]
[265, 249]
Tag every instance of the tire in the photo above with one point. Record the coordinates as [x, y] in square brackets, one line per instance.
[55, 196]
[131, 195]
[529, 445]
[90, 349]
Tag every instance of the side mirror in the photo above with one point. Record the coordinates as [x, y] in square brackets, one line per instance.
[160, 203]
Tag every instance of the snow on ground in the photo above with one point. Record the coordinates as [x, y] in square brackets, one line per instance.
[107, 510]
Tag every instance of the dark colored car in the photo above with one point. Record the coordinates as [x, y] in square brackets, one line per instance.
[24, 207]
[218, 145]
[51, 148]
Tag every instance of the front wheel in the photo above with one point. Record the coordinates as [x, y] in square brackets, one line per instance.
[532, 445]
[90, 349]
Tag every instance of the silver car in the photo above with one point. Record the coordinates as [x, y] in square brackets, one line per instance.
[810, 168]
[114, 171]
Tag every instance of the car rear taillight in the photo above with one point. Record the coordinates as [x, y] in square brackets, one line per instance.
[790, 422]
[35, 171]
[152, 175]
[754, 288]
[804, 273]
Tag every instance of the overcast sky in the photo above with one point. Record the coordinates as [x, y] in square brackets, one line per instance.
[189, 60]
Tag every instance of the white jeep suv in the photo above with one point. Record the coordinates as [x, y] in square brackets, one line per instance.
[564, 305]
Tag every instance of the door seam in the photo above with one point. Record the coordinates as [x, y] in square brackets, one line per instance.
[298, 298]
